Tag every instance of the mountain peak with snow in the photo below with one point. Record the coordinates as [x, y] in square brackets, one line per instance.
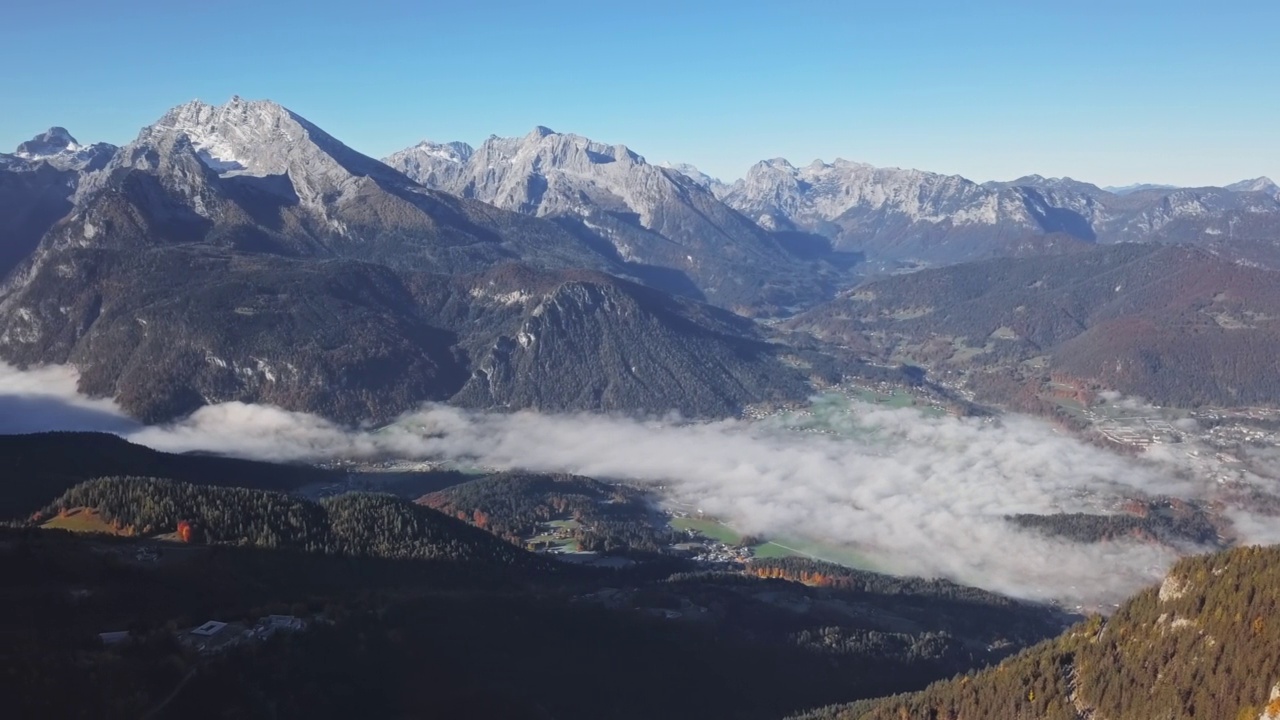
[1261, 184]
[649, 215]
[257, 138]
[455, 151]
[1137, 187]
[50, 142]
[58, 148]
[715, 185]
[539, 132]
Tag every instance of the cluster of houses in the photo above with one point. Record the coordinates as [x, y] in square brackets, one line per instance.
[216, 636]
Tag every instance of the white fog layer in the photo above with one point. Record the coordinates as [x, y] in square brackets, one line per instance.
[916, 495]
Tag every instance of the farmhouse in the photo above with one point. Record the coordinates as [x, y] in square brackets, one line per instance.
[209, 629]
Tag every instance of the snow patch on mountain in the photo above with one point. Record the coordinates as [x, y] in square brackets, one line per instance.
[1258, 184]
[651, 215]
[57, 147]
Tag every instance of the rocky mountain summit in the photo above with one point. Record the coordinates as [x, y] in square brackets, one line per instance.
[56, 147]
[912, 216]
[37, 183]
[239, 252]
[667, 228]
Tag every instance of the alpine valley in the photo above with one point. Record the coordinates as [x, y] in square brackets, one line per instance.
[542, 429]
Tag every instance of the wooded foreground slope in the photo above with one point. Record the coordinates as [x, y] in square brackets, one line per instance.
[1204, 645]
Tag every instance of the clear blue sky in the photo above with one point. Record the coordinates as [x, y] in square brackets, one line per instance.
[1162, 91]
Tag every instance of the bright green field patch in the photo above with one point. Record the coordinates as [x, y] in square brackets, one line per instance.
[773, 550]
[708, 528]
[894, 399]
[787, 547]
[780, 548]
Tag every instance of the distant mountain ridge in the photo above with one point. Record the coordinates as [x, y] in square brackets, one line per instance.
[37, 184]
[258, 177]
[1136, 187]
[1176, 325]
[648, 215]
[913, 216]
[238, 252]
[58, 148]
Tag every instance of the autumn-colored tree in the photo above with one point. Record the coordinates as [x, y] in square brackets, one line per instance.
[185, 531]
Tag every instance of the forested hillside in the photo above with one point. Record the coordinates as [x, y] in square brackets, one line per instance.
[1175, 325]
[1201, 646]
[38, 467]
[1169, 521]
[353, 524]
[516, 505]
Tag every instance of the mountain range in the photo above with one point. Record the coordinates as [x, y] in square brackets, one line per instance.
[909, 216]
[1177, 325]
[893, 216]
[240, 252]
[644, 215]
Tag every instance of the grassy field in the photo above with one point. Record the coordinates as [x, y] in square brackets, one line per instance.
[782, 547]
[708, 528]
[786, 547]
[1070, 406]
[773, 550]
[81, 520]
[895, 399]
[549, 537]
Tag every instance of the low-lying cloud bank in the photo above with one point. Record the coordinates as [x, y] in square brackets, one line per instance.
[917, 495]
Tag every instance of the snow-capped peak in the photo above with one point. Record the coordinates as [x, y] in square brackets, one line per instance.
[53, 141]
[454, 152]
[694, 174]
[1259, 184]
[58, 148]
[258, 138]
[777, 163]
[539, 132]
[231, 138]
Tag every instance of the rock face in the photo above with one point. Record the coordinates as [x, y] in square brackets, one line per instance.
[252, 175]
[667, 229]
[58, 148]
[715, 185]
[37, 183]
[1171, 588]
[166, 330]
[572, 341]
[1258, 184]
[238, 252]
[1272, 709]
[897, 216]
